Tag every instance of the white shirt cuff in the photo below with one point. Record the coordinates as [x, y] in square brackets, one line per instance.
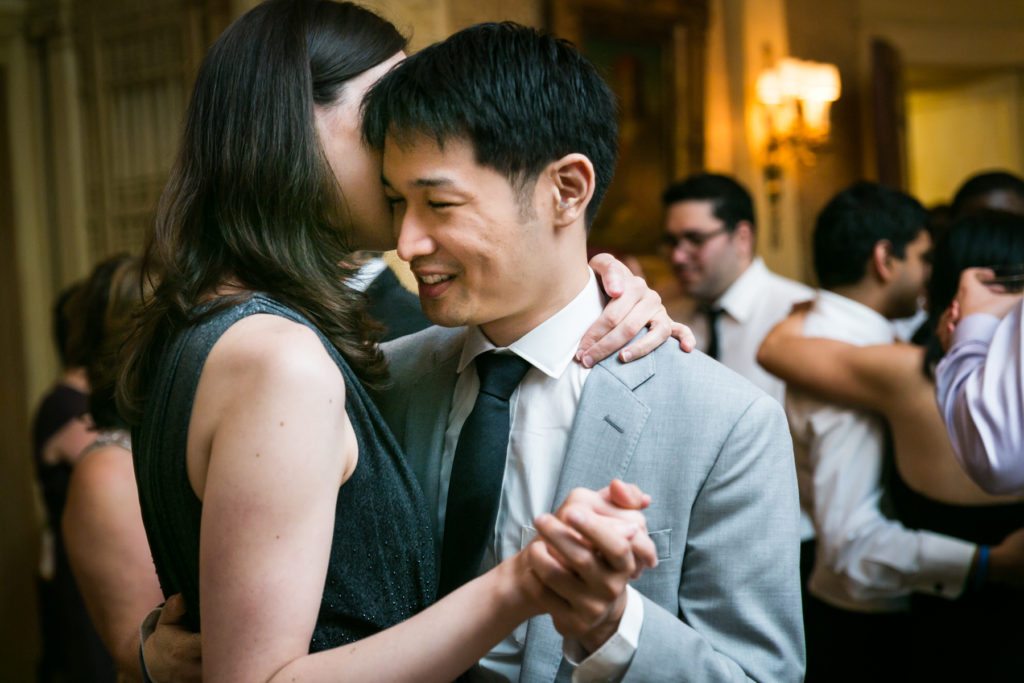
[611, 660]
[945, 565]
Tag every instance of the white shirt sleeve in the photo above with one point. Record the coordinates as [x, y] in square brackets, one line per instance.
[980, 390]
[876, 558]
[611, 661]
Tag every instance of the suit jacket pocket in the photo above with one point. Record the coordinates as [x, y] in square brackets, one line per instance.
[662, 542]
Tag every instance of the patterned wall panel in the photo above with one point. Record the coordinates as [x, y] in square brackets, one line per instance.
[138, 62]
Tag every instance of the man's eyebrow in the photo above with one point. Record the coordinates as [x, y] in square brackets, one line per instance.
[433, 182]
[420, 182]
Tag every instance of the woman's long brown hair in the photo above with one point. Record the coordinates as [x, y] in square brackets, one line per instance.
[252, 200]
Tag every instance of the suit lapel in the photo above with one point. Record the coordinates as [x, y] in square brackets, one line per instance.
[608, 424]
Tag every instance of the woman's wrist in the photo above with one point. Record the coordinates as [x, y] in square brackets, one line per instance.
[517, 588]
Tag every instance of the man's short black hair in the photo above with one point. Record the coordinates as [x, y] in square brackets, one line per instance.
[857, 219]
[520, 97]
[977, 186]
[730, 201]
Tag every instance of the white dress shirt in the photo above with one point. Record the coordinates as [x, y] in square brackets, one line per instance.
[756, 302]
[367, 273]
[543, 408]
[864, 561]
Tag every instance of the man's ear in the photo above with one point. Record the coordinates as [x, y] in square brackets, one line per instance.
[572, 188]
[744, 235]
[882, 260]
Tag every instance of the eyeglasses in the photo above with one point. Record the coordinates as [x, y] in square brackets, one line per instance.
[690, 240]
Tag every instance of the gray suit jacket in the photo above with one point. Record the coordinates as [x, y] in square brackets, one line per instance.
[715, 454]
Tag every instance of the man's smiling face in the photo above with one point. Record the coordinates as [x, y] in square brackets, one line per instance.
[475, 243]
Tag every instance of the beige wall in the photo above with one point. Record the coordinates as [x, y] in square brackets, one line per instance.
[38, 259]
[951, 35]
[944, 141]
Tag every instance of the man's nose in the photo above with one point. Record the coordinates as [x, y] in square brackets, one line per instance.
[413, 239]
[680, 256]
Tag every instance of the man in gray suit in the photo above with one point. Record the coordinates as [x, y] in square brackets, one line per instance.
[498, 145]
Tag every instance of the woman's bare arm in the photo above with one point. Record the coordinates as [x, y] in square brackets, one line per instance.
[109, 553]
[280, 448]
[867, 377]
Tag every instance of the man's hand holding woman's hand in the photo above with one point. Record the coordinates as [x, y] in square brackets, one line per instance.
[586, 554]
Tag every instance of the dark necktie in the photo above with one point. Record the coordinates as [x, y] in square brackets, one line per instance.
[478, 469]
[713, 313]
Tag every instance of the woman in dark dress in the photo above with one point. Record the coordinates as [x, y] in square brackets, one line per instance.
[61, 430]
[274, 497]
[978, 635]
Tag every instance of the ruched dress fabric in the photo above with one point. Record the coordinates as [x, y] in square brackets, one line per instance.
[382, 568]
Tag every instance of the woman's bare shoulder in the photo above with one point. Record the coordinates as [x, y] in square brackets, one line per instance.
[102, 484]
[268, 350]
[104, 466]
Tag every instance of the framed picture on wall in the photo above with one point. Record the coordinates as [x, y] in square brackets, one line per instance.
[653, 56]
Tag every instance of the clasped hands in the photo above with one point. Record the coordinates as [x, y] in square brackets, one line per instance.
[584, 556]
[576, 570]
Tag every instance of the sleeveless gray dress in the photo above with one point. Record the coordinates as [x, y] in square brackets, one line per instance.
[382, 567]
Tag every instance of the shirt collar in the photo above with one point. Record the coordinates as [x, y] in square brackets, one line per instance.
[869, 324]
[551, 346]
[742, 297]
[366, 274]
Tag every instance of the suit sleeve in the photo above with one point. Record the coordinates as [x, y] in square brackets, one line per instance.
[739, 615]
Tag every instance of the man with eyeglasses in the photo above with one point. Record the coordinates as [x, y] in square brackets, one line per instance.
[711, 242]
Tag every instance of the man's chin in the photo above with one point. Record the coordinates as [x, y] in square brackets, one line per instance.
[441, 315]
[688, 285]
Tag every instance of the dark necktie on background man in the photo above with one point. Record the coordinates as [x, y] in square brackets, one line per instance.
[478, 469]
[713, 313]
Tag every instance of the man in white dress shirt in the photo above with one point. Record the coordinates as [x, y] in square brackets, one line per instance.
[711, 242]
[498, 144]
[871, 255]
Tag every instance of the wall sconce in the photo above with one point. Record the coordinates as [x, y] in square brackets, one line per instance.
[796, 96]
